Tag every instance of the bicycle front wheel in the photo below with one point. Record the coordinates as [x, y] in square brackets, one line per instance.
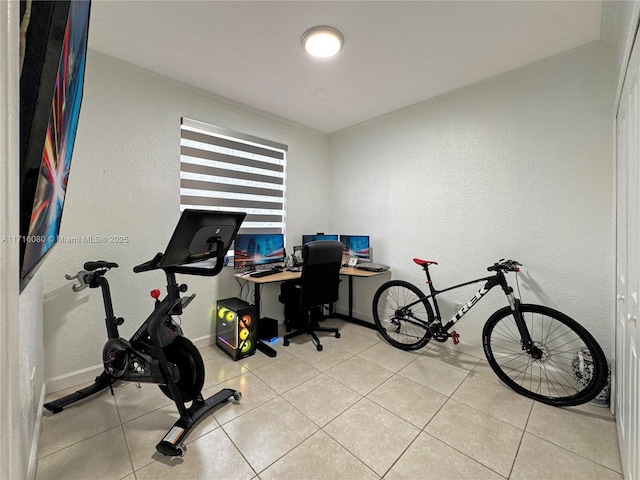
[567, 368]
[403, 326]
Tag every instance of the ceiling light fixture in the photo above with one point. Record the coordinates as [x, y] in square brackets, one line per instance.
[322, 41]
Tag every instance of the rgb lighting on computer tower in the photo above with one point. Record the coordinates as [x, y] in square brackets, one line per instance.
[236, 332]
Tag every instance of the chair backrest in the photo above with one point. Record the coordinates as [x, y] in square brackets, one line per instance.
[320, 273]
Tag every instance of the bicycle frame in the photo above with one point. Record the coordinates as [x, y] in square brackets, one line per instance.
[492, 281]
[499, 279]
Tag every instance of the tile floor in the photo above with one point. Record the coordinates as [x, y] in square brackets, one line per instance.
[360, 409]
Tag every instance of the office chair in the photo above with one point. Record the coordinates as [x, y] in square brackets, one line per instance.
[317, 287]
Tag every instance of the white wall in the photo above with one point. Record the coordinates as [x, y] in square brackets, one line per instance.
[124, 181]
[518, 167]
[21, 354]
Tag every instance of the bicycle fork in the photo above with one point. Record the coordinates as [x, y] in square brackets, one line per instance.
[525, 336]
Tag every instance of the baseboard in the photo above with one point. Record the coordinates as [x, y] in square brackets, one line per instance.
[33, 456]
[73, 379]
[205, 341]
[362, 318]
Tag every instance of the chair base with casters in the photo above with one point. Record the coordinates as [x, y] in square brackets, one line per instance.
[310, 329]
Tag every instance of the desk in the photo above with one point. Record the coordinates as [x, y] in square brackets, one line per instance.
[286, 275]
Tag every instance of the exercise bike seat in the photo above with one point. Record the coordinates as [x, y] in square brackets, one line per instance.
[91, 266]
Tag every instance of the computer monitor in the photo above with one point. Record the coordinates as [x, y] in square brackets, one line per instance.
[317, 236]
[357, 246]
[251, 249]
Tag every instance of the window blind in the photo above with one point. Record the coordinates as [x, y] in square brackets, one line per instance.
[225, 170]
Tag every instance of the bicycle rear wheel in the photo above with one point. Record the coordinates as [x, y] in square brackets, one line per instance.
[403, 327]
[571, 368]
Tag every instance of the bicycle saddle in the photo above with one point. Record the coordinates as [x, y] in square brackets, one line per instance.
[422, 263]
[91, 266]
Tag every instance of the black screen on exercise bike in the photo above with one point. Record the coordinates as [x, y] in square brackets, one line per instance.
[199, 232]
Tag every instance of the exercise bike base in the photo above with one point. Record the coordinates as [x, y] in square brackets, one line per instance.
[102, 382]
[173, 442]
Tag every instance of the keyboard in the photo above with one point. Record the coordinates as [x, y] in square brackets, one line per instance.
[263, 273]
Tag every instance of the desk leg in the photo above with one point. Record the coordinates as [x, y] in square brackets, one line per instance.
[263, 347]
[349, 318]
[350, 297]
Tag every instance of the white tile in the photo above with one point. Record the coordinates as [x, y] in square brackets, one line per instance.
[78, 421]
[103, 457]
[374, 435]
[268, 432]
[389, 357]
[433, 374]
[286, 373]
[254, 393]
[409, 400]
[587, 432]
[303, 415]
[134, 401]
[479, 436]
[494, 399]
[450, 356]
[220, 368]
[322, 399]
[331, 355]
[359, 374]
[356, 340]
[319, 458]
[428, 457]
[539, 459]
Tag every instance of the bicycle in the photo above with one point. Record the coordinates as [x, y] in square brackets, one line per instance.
[537, 351]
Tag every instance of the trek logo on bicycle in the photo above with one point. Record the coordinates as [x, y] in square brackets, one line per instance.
[465, 308]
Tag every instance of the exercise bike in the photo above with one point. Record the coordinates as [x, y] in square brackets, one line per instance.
[158, 352]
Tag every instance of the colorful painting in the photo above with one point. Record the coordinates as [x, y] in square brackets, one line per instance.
[60, 137]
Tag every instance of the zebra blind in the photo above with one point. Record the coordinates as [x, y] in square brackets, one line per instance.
[225, 170]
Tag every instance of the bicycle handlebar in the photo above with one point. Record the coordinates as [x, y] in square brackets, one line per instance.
[503, 265]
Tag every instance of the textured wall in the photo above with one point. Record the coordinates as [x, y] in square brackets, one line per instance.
[124, 181]
[518, 167]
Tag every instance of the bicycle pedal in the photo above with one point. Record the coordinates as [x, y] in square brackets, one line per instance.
[455, 337]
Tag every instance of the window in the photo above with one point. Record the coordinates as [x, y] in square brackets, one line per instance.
[225, 170]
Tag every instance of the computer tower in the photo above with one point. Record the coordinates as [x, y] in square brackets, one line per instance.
[236, 327]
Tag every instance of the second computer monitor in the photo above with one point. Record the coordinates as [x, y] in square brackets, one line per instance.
[252, 249]
[357, 246]
[318, 236]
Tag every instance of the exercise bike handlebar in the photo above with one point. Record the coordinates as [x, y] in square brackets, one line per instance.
[81, 276]
[150, 265]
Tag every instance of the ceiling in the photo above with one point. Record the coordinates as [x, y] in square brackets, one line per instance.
[396, 53]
